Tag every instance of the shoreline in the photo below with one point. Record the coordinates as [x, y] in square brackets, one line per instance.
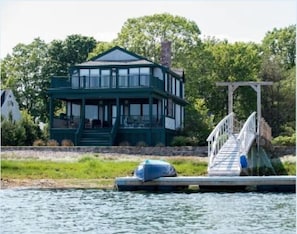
[45, 183]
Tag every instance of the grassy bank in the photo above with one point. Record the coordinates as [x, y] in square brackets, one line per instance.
[88, 168]
[101, 172]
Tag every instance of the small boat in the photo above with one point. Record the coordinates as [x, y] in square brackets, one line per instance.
[154, 169]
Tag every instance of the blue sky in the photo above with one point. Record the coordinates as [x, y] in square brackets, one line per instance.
[239, 20]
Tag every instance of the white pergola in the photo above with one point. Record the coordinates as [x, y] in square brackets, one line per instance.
[232, 86]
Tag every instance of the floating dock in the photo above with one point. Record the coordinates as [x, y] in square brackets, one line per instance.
[211, 183]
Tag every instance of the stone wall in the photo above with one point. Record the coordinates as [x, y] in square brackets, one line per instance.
[133, 150]
[277, 151]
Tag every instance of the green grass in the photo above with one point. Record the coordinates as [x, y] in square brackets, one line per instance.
[91, 167]
[86, 168]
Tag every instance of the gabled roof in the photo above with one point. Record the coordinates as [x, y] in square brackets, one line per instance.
[118, 56]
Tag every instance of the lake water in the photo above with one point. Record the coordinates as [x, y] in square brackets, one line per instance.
[100, 211]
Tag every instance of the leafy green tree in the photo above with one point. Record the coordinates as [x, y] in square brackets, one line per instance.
[144, 35]
[278, 65]
[24, 74]
[280, 44]
[64, 54]
[199, 114]
[100, 48]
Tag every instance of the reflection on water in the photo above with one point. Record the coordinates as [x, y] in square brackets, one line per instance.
[99, 211]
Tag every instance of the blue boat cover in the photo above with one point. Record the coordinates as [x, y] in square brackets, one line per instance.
[153, 169]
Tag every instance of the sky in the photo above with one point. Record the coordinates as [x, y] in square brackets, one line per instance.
[239, 20]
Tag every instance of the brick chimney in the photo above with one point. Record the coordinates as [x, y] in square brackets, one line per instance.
[166, 53]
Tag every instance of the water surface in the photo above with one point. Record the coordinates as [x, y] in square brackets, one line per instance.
[100, 211]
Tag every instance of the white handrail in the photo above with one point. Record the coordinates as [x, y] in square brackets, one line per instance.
[247, 133]
[219, 136]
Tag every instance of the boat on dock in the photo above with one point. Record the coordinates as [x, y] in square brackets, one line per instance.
[153, 169]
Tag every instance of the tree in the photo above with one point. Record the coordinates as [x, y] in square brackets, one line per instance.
[234, 62]
[278, 65]
[64, 54]
[280, 44]
[100, 48]
[24, 74]
[144, 35]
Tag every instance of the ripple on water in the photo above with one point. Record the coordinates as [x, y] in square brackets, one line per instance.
[100, 211]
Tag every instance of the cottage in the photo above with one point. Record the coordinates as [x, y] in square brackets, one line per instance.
[9, 105]
[118, 97]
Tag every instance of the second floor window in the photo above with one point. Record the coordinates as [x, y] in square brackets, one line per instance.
[94, 78]
[123, 78]
[105, 77]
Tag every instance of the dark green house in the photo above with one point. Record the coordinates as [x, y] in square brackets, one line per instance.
[118, 98]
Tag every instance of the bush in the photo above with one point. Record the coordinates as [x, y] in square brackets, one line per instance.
[184, 141]
[124, 143]
[32, 130]
[39, 142]
[52, 143]
[67, 142]
[12, 132]
[285, 140]
[141, 144]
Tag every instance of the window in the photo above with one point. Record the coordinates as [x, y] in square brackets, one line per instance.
[144, 76]
[169, 83]
[170, 108]
[75, 80]
[94, 78]
[114, 78]
[123, 78]
[105, 76]
[173, 86]
[178, 88]
[133, 77]
[84, 78]
[134, 109]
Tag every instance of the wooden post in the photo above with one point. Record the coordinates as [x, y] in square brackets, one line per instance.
[232, 86]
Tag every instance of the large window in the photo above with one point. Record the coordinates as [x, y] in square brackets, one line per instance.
[133, 77]
[105, 77]
[123, 78]
[170, 108]
[84, 78]
[144, 76]
[94, 78]
[75, 80]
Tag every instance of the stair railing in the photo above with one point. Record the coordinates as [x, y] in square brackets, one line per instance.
[219, 136]
[78, 131]
[247, 135]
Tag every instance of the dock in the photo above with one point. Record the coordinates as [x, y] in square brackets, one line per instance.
[210, 183]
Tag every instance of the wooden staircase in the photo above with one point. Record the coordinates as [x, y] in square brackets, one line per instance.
[96, 137]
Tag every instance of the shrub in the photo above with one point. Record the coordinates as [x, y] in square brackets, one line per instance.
[184, 141]
[67, 142]
[52, 143]
[141, 144]
[124, 143]
[160, 144]
[12, 132]
[285, 140]
[39, 142]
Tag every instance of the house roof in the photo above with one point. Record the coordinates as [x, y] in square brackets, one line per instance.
[118, 56]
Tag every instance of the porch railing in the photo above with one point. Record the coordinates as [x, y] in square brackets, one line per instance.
[141, 121]
[106, 82]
